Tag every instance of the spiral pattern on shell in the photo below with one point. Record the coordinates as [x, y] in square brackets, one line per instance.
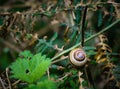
[78, 57]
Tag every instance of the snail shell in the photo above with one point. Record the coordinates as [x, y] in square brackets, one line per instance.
[78, 57]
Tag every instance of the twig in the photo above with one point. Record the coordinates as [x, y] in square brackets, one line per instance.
[91, 37]
[5, 14]
[7, 69]
[13, 20]
[16, 82]
[80, 79]
[2, 83]
[11, 46]
[66, 75]
[61, 59]
[48, 73]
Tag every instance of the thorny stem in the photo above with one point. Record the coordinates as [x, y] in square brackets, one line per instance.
[91, 37]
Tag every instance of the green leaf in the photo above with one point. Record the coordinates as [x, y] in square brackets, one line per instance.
[30, 70]
[26, 54]
[45, 84]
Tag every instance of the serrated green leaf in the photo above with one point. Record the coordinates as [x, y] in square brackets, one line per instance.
[26, 54]
[46, 84]
[30, 70]
[19, 69]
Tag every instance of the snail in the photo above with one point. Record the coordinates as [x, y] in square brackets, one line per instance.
[78, 57]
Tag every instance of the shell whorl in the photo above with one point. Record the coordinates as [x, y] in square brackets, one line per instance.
[78, 57]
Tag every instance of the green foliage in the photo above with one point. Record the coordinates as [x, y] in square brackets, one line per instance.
[116, 72]
[26, 54]
[100, 18]
[46, 47]
[45, 84]
[43, 45]
[54, 28]
[31, 67]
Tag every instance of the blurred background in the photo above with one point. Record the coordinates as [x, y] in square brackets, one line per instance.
[51, 26]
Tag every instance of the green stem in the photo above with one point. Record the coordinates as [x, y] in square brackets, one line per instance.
[91, 37]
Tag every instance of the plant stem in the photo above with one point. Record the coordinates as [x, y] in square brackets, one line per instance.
[91, 37]
[83, 25]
